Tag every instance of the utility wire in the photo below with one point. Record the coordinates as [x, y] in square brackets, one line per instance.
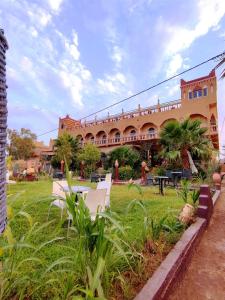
[219, 57]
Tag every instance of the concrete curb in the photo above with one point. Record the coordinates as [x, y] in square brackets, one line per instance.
[170, 272]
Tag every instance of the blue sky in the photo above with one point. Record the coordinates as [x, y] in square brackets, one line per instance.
[75, 57]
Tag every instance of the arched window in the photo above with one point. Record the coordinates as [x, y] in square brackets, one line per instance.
[117, 137]
[213, 123]
[151, 132]
[62, 126]
[133, 134]
[104, 139]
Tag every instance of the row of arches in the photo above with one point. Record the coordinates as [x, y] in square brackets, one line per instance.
[116, 134]
[147, 130]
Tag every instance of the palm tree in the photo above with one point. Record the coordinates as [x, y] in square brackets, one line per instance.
[184, 139]
[221, 63]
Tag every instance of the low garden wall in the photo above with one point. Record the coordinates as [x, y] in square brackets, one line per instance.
[170, 272]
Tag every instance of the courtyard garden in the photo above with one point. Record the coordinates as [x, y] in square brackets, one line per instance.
[69, 253]
[41, 261]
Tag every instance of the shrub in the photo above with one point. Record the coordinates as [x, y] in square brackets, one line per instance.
[125, 156]
[126, 173]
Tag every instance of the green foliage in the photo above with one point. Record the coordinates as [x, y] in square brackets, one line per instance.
[184, 191]
[160, 171]
[186, 194]
[178, 138]
[66, 149]
[9, 162]
[195, 196]
[90, 154]
[125, 156]
[137, 187]
[62, 268]
[55, 162]
[126, 173]
[21, 143]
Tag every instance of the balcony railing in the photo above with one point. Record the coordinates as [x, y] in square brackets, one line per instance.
[121, 140]
[134, 113]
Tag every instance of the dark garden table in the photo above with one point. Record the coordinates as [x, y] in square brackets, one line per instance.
[176, 175]
[161, 181]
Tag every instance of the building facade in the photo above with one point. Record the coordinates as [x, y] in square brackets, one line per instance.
[198, 101]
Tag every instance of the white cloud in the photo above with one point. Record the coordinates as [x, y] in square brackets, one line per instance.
[73, 74]
[26, 64]
[55, 5]
[72, 47]
[112, 83]
[180, 38]
[74, 84]
[33, 32]
[39, 16]
[117, 55]
[174, 65]
[174, 90]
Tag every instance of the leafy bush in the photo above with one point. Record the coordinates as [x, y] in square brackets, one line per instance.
[158, 171]
[90, 154]
[125, 156]
[126, 173]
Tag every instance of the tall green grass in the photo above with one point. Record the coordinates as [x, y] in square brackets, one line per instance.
[39, 260]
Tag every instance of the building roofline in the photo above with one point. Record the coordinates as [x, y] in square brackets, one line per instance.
[211, 74]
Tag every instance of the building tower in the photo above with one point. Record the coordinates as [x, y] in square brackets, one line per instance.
[3, 126]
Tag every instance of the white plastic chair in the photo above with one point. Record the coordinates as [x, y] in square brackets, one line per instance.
[60, 195]
[108, 177]
[95, 201]
[105, 185]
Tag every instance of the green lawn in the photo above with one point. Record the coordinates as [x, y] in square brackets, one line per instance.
[35, 197]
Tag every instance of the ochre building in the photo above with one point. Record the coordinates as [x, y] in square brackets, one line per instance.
[198, 101]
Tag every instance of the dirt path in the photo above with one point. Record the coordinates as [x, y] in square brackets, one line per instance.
[205, 277]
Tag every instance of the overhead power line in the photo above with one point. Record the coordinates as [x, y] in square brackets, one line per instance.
[217, 57]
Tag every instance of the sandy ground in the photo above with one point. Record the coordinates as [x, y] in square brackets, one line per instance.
[205, 276]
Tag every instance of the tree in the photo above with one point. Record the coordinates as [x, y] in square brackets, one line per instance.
[66, 149]
[21, 144]
[222, 63]
[182, 140]
[90, 154]
[125, 156]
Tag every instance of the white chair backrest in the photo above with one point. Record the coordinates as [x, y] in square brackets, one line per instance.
[57, 188]
[95, 201]
[108, 177]
[105, 185]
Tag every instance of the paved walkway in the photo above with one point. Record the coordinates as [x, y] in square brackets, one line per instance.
[205, 276]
